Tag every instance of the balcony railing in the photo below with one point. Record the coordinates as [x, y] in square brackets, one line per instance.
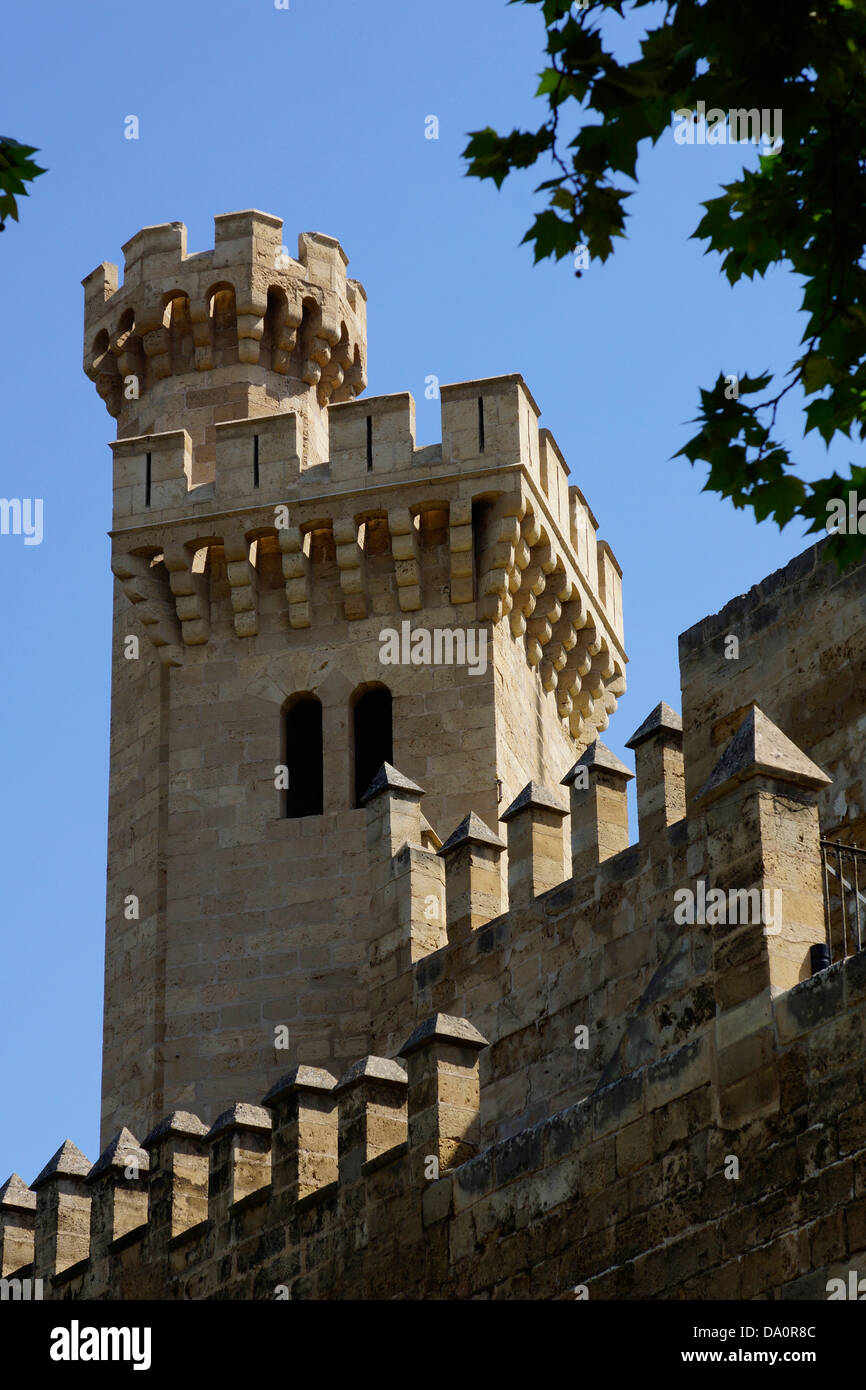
[844, 871]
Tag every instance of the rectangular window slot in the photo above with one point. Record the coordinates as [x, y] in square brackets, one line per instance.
[480, 425]
[255, 460]
[147, 481]
[369, 442]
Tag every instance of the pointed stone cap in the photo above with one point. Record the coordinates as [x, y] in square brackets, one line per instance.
[179, 1122]
[300, 1078]
[533, 795]
[123, 1147]
[15, 1195]
[757, 749]
[663, 720]
[471, 830]
[444, 1028]
[389, 779]
[241, 1116]
[68, 1162]
[598, 755]
[380, 1069]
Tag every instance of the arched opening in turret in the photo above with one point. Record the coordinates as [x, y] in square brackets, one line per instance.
[267, 559]
[278, 338]
[373, 739]
[176, 319]
[320, 545]
[314, 352]
[302, 757]
[434, 543]
[355, 378]
[224, 324]
[125, 329]
[103, 370]
[377, 535]
[482, 508]
[98, 351]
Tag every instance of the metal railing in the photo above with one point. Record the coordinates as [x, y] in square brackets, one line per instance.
[844, 873]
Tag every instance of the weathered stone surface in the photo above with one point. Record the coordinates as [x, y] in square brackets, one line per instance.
[758, 747]
[661, 720]
[441, 1028]
[68, 1162]
[598, 755]
[259, 938]
[16, 1195]
[301, 1078]
[389, 779]
[471, 830]
[123, 1149]
[579, 1064]
[379, 1069]
[531, 796]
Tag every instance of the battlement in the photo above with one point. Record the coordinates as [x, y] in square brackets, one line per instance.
[375, 1187]
[568, 1065]
[491, 505]
[245, 301]
[487, 426]
[313, 1137]
[592, 936]
[272, 332]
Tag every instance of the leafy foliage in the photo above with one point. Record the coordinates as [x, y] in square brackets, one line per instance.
[804, 206]
[16, 170]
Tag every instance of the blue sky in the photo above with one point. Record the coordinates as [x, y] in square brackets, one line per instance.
[317, 114]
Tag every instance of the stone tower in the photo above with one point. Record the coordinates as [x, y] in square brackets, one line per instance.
[268, 529]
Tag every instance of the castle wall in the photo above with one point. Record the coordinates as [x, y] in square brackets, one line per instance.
[134, 1010]
[705, 1139]
[802, 657]
[581, 956]
[638, 1191]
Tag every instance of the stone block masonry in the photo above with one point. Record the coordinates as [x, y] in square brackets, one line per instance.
[269, 524]
[586, 1099]
[470, 1051]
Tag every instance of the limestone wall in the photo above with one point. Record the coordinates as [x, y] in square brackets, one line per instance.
[136, 892]
[801, 635]
[703, 1139]
[269, 529]
[638, 1191]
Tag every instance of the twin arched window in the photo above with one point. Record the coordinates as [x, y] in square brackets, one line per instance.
[372, 745]
[372, 742]
[303, 757]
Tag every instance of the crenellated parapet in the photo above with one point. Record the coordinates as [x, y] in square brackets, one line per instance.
[539, 1069]
[191, 341]
[246, 302]
[612, 938]
[379, 1185]
[489, 511]
[235, 376]
[150, 1219]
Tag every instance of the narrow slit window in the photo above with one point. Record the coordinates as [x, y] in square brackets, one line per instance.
[369, 442]
[255, 460]
[147, 480]
[481, 424]
[304, 795]
[373, 737]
